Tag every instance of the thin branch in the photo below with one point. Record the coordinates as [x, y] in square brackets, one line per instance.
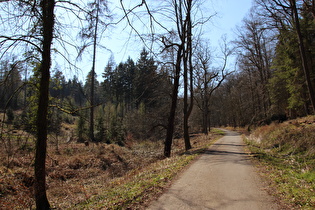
[20, 39]
[72, 112]
[129, 22]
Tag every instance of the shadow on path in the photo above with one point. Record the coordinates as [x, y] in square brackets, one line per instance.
[217, 152]
[222, 178]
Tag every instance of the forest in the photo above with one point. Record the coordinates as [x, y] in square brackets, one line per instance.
[178, 85]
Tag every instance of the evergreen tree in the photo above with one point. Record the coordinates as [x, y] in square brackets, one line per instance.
[58, 85]
[145, 80]
[107, 84]
[130, 69]
[81, 128]
[10, 83]
[286, 84]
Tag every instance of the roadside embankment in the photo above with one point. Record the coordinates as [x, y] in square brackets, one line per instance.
[286, 154]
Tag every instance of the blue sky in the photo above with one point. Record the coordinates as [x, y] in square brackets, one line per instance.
[229, 14]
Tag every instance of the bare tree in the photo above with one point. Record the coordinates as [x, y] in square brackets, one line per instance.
[183, 18]
[208, 79]
[182, 11]
[47, 11]
[97, 5]
[96, 16]
[32, 26]
[255, 43]
[188, 69]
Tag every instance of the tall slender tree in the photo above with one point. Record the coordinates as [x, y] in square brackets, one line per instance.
[305, 64]
[36, 35]
[47, 10]
[171, 119]
[255, 42]
[208, 79]
[188, 69]
[96, 18]
[91, 133]
[185, 20]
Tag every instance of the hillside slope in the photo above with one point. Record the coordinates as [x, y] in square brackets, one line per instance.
[286, 153]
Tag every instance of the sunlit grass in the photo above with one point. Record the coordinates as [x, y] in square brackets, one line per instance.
[286, 152]
[138, 186]
[217, 131]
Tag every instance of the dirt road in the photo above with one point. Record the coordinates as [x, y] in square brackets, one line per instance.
[223, 178]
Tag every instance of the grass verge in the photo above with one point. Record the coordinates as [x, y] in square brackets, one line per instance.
[139, 187]
[285, 153]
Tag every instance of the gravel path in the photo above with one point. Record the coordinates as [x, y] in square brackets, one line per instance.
[222, 178]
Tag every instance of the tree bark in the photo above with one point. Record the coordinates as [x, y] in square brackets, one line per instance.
[205, 115]
[303, 54]
[91, 132]
[171, 119]
[47, 7]
[186, 116]
[187, 67]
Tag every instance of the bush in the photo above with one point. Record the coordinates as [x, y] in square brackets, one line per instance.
[10, 115]
[81, 129]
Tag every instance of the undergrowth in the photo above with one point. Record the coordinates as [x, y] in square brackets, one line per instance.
[287, 153]
[98, 176]
[137, 188]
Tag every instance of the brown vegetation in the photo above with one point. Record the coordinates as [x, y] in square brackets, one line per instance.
[75, 172]
[286, 154]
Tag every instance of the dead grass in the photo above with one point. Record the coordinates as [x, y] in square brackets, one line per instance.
[138, 187]
[286, 153]
[77, 174]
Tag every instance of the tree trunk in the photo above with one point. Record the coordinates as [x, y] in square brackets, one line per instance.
[191, 68]
[209, 121]
[205, 101]
[186, 115]
[303, 55]
[170, 127]
[91, 132]
[205, 117]
[187, 65]
[47, 7]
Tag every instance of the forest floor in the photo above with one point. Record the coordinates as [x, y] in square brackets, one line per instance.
[102, 176]
[79, 176]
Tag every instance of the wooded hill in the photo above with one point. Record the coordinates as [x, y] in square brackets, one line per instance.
[133, 97]
[173, 89]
